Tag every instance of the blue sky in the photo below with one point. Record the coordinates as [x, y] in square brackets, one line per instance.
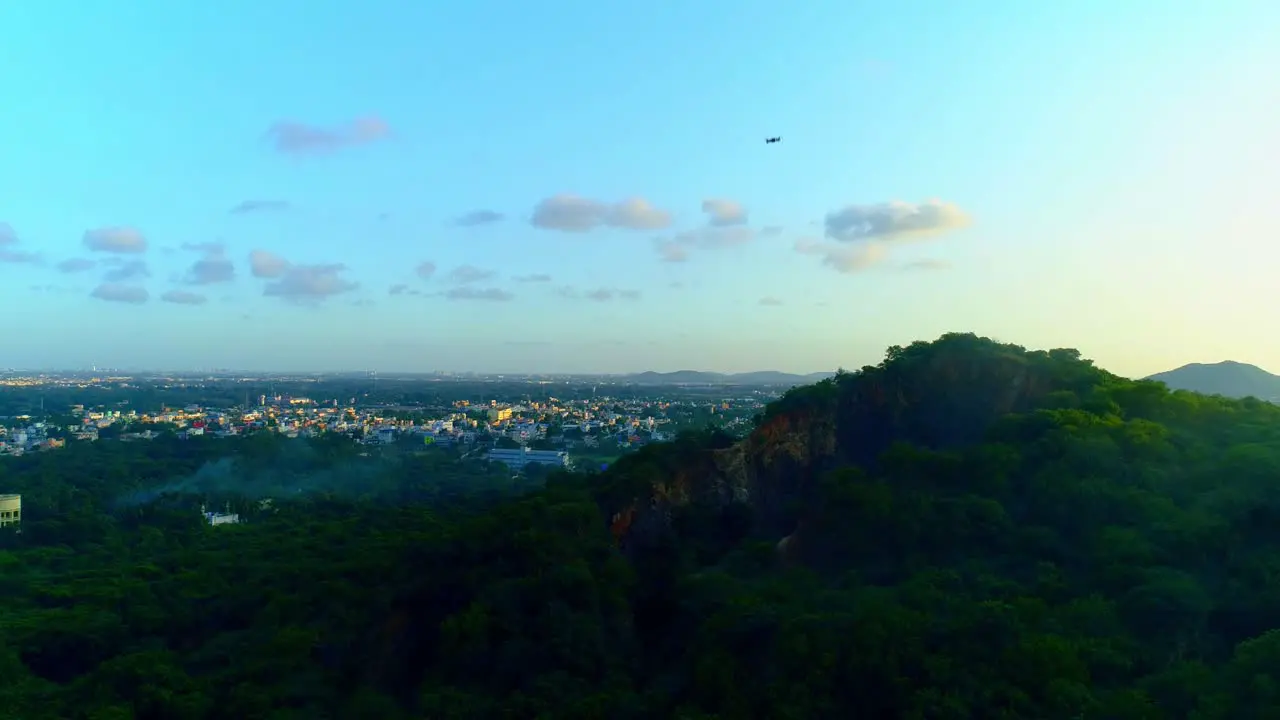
[1086, 174]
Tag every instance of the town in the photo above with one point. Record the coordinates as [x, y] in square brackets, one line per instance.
[517, 422]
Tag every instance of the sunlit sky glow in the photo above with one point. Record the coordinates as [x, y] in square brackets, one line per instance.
[574, 186]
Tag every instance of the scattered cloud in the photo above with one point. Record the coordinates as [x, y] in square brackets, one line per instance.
[121, 293]
[677, 248]
[214, 267]
[471, 293]
[479, 217]
[120, 240]
[18, 256]
[131, 270]
[533, 278]
[724, 212]
[310, 283]
[425, 270]
[294, 138]
[402, 289]
[771, 231]
[8, 252]
[894, 220]
[183, 297]
[927, 265]
[844, 258]
[575, 214]
[670, 250]
[719, 237]
[252, 206]
[467, 274]
[609, 294]
[859, 236]
[603, 294]
[267, 265]
[75, 265]
[770, 301]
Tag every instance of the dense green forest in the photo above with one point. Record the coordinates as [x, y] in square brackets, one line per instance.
[966, 530]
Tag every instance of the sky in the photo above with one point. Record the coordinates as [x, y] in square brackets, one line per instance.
[573, 186]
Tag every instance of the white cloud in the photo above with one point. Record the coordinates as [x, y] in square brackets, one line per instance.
[670, 250]
[75, 265]
[121, 293]
[267, 265]
[677, 248]
[467, 274]
[894, 220]
[310, 283]
[603, 294]
[724, 212]
[471, 293]
[294, 138]
[572, 213]
[120, 240]
[859, 236]
[425, 270]
[215, 267]
[479, 217]
[844, 258]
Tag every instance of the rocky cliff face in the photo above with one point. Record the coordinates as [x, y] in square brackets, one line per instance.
[770, 469]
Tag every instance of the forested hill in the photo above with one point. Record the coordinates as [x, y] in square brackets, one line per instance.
[1227, 378]
[966, 530]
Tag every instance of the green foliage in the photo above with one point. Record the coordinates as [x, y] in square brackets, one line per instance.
[985, 532]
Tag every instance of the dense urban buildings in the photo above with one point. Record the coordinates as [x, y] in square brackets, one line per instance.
[516, 421]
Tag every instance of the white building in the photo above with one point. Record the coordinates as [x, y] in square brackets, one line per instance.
[517, 458]
[220, 518]
[10, 510]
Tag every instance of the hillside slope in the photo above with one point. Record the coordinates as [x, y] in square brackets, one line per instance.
[1228, 378]
[1082, 545]
[936, 395]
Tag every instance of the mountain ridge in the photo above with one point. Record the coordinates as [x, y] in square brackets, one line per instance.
[1228, 378]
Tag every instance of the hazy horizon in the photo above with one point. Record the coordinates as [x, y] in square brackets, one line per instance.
[586, 187]
[284, 371]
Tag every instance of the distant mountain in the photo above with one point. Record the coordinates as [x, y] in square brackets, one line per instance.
[1228, 378]
[698, 377]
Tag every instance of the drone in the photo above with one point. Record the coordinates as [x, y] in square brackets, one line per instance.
[773, 140]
